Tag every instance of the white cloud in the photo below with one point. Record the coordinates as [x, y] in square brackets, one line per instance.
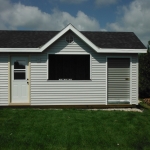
[73, 1]
[136, 18]
[105, 2]
[17, 15]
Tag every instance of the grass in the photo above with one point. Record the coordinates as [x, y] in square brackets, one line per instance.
[74, 130]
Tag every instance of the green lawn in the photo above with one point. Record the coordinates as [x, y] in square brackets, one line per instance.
[71, 129]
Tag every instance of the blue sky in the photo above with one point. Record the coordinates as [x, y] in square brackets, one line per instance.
[95, 15]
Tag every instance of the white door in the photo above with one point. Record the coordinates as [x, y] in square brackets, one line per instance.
[19, 80]
[118, 78]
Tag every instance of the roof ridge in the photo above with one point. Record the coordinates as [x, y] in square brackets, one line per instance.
[30, 30]
[59, 31]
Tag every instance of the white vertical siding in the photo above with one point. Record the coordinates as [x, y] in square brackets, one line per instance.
[134, 87]
[90, 92]
[3, 79]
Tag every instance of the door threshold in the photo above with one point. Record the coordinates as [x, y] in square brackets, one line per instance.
[19, 104]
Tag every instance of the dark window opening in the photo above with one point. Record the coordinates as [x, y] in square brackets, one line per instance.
[118, 62]
[69, 67]
[19, 75]
[19, 64]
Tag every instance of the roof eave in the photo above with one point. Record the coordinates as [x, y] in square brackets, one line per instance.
[99, 50]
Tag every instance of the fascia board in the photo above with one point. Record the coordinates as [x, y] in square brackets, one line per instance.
[104, 50]
[20, 50]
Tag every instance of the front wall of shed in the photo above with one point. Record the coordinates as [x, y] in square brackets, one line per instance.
[45, 92]
[94, 92]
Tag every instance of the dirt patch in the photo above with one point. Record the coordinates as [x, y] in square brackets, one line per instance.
[147, 101]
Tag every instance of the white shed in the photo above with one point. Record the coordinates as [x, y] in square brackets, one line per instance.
[69, 68]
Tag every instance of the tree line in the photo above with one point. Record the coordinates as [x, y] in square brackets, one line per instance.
[144, 74]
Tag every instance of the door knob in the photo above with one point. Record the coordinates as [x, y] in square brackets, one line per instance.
[27, 82]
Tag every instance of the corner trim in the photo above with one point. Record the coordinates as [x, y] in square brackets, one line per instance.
[29, 74]
[9, 80]
[137, 80]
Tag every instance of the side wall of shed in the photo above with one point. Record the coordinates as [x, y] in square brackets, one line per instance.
[92, 92]
[4, 79]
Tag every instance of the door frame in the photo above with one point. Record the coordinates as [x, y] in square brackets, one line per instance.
[115, 56]
[9, 79]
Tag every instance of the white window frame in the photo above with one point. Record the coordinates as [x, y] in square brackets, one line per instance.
[69, 38]
[19, 70]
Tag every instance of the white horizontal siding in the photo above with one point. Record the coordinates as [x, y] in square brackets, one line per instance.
[3, 79]
[90, 92]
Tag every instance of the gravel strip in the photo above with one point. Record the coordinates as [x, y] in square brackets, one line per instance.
[120, 109]
[106, 109]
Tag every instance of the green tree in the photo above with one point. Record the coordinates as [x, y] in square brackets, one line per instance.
[144, 74]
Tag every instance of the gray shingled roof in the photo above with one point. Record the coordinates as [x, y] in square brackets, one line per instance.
[34, 39]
